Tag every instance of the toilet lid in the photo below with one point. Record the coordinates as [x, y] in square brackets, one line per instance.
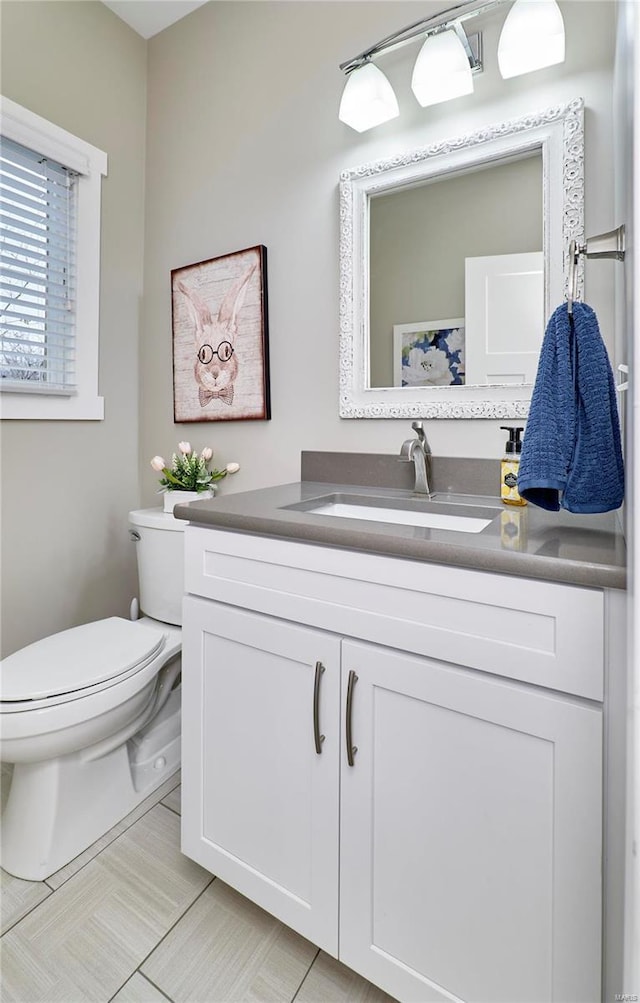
[78, 658]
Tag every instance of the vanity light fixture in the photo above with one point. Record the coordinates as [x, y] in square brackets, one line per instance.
[368, 98]
[532, 38]
[442, 70]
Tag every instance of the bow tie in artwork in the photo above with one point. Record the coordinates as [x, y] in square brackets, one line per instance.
[224, 394]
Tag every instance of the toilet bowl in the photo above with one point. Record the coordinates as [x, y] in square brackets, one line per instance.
[91, 716]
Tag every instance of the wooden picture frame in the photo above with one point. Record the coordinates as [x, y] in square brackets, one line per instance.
[220, 338]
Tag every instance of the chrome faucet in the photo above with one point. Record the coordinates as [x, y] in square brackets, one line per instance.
[419, 451]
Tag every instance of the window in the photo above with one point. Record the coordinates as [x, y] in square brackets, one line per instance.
[37, 287]
[50, 185]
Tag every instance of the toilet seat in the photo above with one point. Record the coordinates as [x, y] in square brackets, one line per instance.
[76, 663]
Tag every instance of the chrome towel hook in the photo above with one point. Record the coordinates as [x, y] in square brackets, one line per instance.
[575, 250]
[604, 245]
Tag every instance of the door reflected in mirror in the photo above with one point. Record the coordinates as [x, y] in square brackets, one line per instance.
[456, 290]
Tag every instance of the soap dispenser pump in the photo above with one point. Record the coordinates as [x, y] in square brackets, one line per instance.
[509, 467]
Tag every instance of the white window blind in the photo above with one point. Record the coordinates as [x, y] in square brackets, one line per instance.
[37, 272]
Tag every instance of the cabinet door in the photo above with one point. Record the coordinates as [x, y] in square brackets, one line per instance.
[260, 804]
[470, 835]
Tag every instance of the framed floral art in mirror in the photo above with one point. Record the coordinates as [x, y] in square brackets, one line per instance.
[429, 354]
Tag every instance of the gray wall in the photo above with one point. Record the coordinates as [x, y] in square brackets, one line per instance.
[245, 147]
[420, 237]
[67, 486]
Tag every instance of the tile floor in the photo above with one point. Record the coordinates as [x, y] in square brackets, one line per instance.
[131, 920]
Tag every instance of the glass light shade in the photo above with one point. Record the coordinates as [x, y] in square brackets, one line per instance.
[368, 99]
[442, 70]
[532, 37]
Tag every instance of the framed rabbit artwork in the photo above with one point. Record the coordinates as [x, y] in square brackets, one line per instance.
[220, 338]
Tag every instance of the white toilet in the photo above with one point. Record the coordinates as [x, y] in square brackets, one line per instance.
[91, 716]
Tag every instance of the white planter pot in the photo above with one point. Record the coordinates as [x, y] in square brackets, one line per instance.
[172, 498]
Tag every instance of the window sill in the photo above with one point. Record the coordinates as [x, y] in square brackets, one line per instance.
[34, 407]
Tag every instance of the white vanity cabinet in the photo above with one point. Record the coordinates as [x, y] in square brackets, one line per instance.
[459, 857]
[261, 807]
[470, 835]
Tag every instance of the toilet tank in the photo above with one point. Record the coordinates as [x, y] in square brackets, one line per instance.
[159, 540]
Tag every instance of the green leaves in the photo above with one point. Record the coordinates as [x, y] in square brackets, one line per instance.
[169, 477]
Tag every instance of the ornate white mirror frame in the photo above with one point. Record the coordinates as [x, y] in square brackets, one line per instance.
[559, 134]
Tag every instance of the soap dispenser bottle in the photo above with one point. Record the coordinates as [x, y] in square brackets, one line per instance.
[509, 467]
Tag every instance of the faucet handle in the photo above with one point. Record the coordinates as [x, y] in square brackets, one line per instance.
[422, 438]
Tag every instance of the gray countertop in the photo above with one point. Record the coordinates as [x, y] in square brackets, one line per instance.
[586, 550]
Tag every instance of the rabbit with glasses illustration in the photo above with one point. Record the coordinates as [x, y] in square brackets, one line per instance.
[216, 365]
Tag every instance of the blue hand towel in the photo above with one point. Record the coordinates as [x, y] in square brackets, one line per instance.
[571, 453]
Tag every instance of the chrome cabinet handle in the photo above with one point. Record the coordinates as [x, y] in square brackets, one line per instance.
[317, 737]
[351, 748]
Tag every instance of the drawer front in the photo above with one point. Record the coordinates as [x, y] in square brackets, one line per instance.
[538, 632]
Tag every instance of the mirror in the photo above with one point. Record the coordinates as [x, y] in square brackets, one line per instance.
[451, 260]
[432, 251]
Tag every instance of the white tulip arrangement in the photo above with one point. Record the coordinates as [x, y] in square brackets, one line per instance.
[189, 470]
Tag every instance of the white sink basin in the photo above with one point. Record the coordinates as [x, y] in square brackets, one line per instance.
[404, 516]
